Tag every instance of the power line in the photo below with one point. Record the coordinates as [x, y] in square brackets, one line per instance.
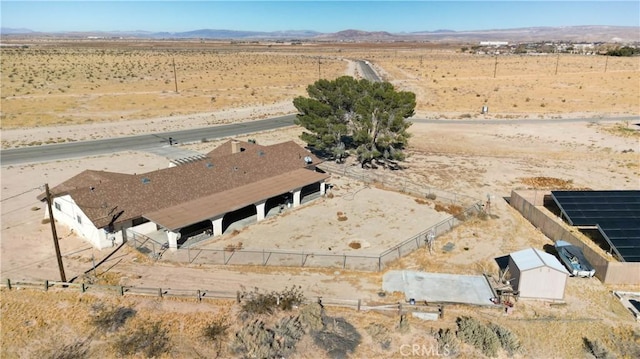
[20, 194]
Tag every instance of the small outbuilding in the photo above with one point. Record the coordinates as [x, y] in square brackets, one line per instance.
[536, 274]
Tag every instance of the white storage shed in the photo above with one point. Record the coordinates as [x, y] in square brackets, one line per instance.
[536, 274]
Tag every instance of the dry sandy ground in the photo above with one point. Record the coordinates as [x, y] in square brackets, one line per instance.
[475, 160]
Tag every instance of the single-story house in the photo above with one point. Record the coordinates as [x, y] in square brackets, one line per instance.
[234, 181]
[536, 274]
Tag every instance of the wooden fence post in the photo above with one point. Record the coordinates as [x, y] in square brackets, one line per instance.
[359, 303]
[82, 288]
[46, 285]
[238, 296]
[160, 292]
[199, 295]
[9, 283]
[121, 289]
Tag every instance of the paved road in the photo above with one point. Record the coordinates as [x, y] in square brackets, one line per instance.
[141, 142]
[151, 142]
[368, 72]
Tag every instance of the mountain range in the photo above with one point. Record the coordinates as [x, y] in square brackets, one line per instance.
[626, 34]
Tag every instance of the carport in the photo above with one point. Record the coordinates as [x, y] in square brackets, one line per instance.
[217, 206]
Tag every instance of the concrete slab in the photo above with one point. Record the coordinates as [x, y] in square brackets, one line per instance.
[439, 287]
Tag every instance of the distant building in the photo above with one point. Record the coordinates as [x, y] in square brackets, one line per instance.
[494, 43]
[536, 274]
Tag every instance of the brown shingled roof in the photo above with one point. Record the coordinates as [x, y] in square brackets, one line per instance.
[110, 198]
[220, 203]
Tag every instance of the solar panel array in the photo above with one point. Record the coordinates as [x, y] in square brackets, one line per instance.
[615, 213]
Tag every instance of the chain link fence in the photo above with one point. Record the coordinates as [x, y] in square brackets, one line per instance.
[269, 257]
[146, 245]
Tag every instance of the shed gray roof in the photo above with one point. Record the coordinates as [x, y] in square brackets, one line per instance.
[531, 258]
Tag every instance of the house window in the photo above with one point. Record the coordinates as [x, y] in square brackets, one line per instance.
[79, 219]
[57, 205]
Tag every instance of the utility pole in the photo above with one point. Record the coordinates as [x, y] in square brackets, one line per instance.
[606, 61]
[319, 68]
[495, 68]
[175, 75]
[557, 62]
[63, 278]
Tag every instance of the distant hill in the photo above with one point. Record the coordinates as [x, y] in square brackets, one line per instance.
[594, 33]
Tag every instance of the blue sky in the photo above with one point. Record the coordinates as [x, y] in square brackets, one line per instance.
[322, 16]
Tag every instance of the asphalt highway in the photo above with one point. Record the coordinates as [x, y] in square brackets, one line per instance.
[79, 149]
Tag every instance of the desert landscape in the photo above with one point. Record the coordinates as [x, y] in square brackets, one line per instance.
[62, 92]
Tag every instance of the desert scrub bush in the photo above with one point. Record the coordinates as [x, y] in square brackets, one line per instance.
[379, 334]
[447, 342]
[149, 338]
[311, 316]
[338, 338]
[508, 340]
[79, 349]
[216, 330]
[257, 302]
[473, 332]
[110, 319]
[256, 340]
[597, 349]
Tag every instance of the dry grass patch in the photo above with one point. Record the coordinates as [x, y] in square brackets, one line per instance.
[547, 183]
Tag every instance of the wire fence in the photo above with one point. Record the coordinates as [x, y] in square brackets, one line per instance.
[293, 258]
[145, 244]
[205, 294]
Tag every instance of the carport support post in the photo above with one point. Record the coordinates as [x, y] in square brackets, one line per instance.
[260, 210]
[217, 225]
[172, 238]
[296, 197]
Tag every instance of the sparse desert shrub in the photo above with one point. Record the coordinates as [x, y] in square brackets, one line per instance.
[150, 338]
[110, 319]
[379, 334]
[447, 342]
[288, 332]
[257, 302]
[473, 332]
[338, 338]
[256, 340]
[79, 349]
[597, 349]
[216, 329]
[508, 340]
[311, 316]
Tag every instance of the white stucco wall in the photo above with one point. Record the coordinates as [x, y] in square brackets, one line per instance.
[542, 283]
[68, 215]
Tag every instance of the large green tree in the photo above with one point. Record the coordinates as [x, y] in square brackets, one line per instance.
[348, 115]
